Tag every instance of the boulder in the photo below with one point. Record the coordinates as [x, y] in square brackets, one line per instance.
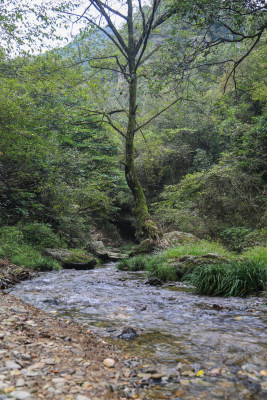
[99, 250]
[187, 263]
[146, 246]
[72, 259]
[169, 239]
[177, 238]
[128, 333]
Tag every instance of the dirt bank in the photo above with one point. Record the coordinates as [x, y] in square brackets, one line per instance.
[46, 357]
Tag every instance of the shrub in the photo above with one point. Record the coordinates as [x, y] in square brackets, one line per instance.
[13, 247]
[35, 261]
[240, 238]
[258, 254]
[238, 278]
[40, 235]
[207, 202]
[9, 234]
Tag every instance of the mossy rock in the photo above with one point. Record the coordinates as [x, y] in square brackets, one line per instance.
[186, 264]
[177, 238]
[76, 259]
[105, 254]
[146, 246]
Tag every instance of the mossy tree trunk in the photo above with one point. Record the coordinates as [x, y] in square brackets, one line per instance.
[145, 226]
[127, 60]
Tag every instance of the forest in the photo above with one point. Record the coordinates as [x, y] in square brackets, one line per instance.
[133, 171]
[152, 119]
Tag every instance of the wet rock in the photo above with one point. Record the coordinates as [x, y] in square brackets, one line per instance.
[249, 368]
[128, 333]
[72, 259]
[182, 367]
[98, 249]
[153, 281]
[52, 302]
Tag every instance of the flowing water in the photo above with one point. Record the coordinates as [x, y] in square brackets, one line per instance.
[224, 338]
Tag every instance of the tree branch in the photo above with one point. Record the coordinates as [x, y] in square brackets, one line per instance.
[156, 115]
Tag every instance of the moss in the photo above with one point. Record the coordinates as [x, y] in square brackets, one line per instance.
[78, 258]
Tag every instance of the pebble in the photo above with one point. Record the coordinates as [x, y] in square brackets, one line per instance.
[80, 397]
[12, 365]
[109, 362]
[49, 361]
[20, 382]
[21, 395]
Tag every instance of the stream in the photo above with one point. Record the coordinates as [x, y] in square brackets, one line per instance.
[191, 346]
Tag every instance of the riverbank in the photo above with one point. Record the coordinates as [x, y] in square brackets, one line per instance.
[43, 356]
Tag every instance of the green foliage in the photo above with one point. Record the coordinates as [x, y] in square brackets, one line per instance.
[137, 263]
[40, 235]
[257, 254]
[239, 238]
[196, 249]
[32, 259]
[78, 256]
[14, 246]
[163, 271]
[239, 278]
[225, 196]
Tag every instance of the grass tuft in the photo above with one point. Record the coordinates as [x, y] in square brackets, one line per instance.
[137, 263]
[238, 278]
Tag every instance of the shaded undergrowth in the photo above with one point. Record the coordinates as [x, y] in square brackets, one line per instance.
[24, 247]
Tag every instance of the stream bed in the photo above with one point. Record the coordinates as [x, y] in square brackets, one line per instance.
[191, 346]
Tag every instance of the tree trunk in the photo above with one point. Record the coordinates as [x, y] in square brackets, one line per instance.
[146, 228]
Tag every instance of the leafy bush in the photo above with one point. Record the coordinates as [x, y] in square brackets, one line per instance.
[40, 235]
[209, 202]
[34, 260]
[13, 247]
[257, 254]
[9, 234]
[239, 278]
[240, 238]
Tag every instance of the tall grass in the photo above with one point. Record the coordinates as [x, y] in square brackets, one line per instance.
[137, 263]
[238, 278]
[196, 249]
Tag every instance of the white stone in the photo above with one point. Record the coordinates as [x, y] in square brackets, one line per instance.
[12, 365]
[109, 362]
[21, 395]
